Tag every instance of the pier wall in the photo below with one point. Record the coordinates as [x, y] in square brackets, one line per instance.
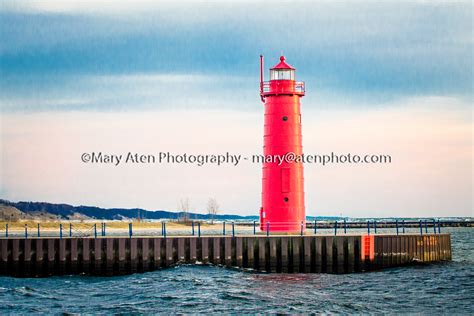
[35, 257]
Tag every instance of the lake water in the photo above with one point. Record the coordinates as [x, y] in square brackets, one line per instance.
[436, 288]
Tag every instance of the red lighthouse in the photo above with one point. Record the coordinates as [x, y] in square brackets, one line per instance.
[282, 182]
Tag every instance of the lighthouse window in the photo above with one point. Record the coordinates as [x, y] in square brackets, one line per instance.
[286, 199]
[282, 74]
[285, 118]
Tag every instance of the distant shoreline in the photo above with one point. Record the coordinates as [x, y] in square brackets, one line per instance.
[48, 212]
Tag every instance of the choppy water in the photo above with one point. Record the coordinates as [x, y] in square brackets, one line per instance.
[438, 288]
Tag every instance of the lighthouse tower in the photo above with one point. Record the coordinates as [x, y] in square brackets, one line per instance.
[283, 207]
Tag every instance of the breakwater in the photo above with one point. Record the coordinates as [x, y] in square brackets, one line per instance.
[33, 257]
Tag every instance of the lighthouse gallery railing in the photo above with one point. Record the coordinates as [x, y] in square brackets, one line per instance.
[298, 87]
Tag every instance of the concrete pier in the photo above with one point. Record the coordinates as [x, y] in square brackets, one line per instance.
[37, 257]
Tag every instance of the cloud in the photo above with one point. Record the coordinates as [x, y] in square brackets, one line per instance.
[398, 48]
[120, 7]
[129, 92]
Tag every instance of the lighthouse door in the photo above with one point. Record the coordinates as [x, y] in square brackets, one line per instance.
[285, 180]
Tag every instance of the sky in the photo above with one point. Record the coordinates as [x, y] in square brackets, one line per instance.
[391, 77]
